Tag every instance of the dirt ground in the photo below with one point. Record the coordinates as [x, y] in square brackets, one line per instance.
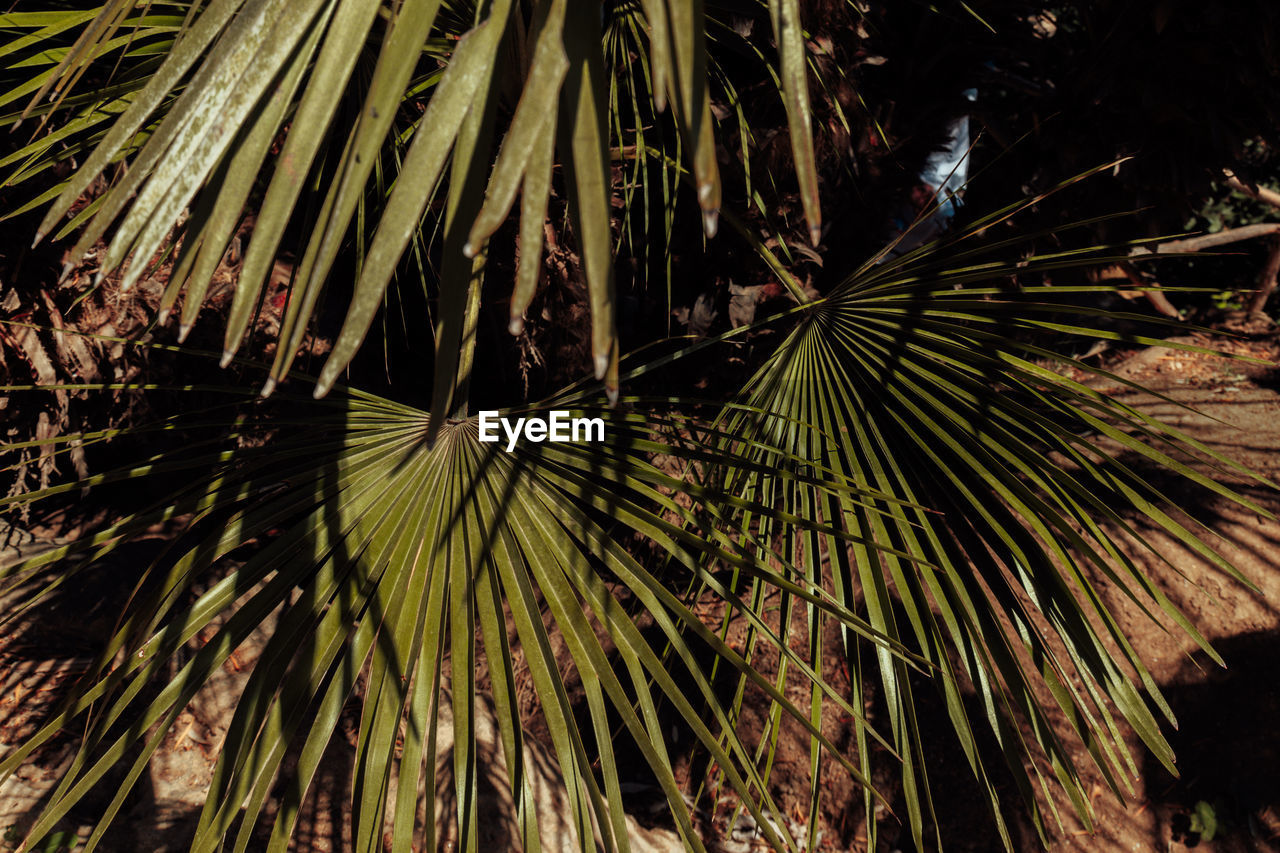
[1228, 739]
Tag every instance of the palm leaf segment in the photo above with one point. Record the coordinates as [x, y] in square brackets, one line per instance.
[238, 75]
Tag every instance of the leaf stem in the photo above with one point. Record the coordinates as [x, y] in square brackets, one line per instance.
[467, 355]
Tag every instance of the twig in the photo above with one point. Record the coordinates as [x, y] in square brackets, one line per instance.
[1196, 244]
[1135, 364]
[1267, 280]
[1208, 241]
[1158, 300]
[1262, 194]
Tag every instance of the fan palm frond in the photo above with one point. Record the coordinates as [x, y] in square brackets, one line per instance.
[922, 380]
[397, 564]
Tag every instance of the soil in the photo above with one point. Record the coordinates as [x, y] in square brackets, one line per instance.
[1228, 740]
[1228, 737]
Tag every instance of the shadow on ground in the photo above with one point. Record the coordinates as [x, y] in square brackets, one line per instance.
[1228, 746]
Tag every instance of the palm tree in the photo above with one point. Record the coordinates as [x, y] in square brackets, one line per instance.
[905, 464]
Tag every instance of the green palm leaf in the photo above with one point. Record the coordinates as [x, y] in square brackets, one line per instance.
[398, 549]
[908, 383]
[907, 464]
[198, 130]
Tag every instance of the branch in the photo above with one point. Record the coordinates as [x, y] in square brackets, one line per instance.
[1262, 194]
[1266, 280]
[1209, 241]
[1158, 300]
